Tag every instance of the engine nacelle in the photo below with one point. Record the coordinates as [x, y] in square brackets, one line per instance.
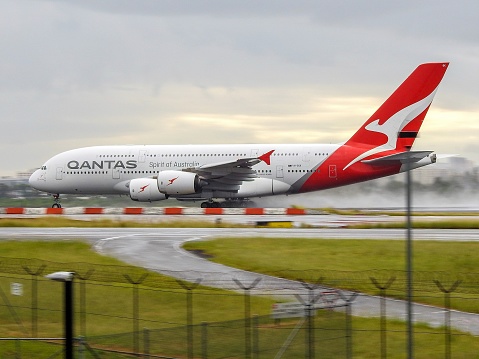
[145, 190]
[178, 182]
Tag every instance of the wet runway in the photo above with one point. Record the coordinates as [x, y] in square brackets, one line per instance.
[160, 250]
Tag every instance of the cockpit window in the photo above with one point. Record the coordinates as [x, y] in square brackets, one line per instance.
[44, 167]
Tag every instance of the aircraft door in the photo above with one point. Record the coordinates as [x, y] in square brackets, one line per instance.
[332, 171]
[306, 154]
[116, 174]
[142, 156]
[59, 174]
[254, 153]
[279, 171]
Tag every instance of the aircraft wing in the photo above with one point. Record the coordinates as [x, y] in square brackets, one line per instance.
[228, 176]
[399, 158]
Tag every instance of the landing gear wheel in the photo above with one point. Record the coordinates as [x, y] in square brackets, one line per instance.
[56, 199]
[210, 204]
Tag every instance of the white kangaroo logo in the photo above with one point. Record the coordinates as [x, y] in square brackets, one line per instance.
[393, 126]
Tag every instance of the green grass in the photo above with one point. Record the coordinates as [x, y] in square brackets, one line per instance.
[433, 224]
[66, 252]
[349, 264]
[157, 292]
[59, 222]
[109, 307]
[353, 212]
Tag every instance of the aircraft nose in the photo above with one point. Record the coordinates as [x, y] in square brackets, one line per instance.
[34, 179]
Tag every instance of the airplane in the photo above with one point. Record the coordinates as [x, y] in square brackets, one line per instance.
[235, 173]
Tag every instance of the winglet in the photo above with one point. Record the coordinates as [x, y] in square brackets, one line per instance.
[266, 158]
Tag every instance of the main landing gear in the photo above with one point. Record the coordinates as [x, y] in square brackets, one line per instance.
[56, 200]
[210, 204]
[229, 203]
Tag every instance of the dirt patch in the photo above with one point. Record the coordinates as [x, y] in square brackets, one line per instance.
[200, 253]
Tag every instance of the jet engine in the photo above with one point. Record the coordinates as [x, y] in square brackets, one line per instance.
[178, 182]
[145, 190]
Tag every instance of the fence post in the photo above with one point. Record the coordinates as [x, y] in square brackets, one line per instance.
[349, 327]
[383, 324]
[247, 314]
[189, 313]
[309, 311]
[18, 348]
[136, 310]
[67, 278]
[204, 340]
[146, 342]
[255, 337]
[83, 280]
[35, 275]
[81, 347]
[447, 319]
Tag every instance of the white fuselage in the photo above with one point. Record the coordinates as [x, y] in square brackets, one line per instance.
[109, 169]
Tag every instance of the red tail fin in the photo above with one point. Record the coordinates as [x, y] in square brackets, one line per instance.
[378, 148]
[397, 122]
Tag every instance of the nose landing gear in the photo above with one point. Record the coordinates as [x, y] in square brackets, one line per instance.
[56, 200]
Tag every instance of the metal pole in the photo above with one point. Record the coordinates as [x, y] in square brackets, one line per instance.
[447, 304]
[136, 320]
[204, 340]
[349, 330]
[83, 280]
[34, 275]
[383, 289]
[189, 322]
[309, 311]
[69, 319]
[349, 325]
[447, 331]
[146, 342]
[255, 337]
[136, 311]
[189, 314]
[82, 308]
[34, 306]
[311, 324]
[67, 279]
[247, 314]
[409, 267]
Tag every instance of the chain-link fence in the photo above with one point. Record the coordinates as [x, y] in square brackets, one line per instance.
[125, 311]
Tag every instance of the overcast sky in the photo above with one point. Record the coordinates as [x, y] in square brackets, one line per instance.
[98, 72]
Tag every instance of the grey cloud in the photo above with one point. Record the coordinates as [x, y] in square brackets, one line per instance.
[93, 72]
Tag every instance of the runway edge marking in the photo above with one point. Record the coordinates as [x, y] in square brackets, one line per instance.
[167, 211]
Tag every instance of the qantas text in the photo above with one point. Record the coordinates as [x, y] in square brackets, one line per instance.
[108, 165]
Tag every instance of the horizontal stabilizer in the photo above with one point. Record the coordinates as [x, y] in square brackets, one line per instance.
[400, 158]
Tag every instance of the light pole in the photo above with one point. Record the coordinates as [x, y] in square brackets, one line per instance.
[67, 278]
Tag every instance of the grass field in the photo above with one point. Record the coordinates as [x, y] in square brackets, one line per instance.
[168, 306]
[341, 263]
[349, 264]
[113, 294]
[59, 222]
